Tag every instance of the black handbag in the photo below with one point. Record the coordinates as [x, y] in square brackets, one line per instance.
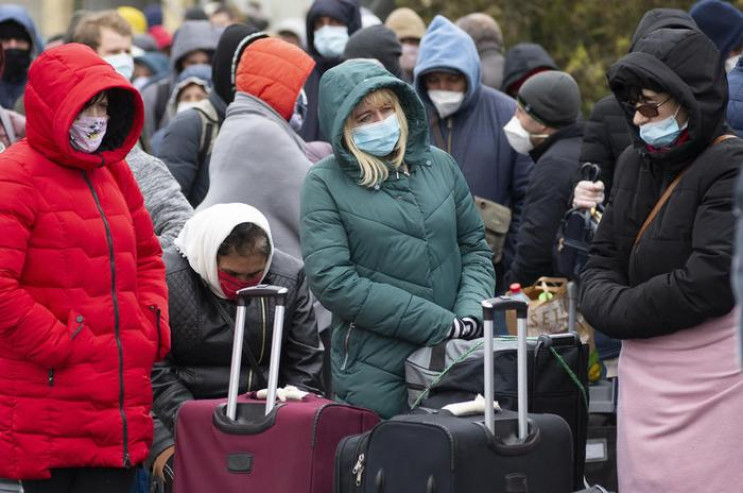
[576, 232]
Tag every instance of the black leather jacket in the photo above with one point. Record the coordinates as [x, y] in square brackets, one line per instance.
[202, 328]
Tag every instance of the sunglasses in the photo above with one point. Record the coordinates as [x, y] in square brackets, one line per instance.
[648, 110]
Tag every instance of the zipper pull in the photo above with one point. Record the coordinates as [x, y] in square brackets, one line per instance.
[127, 461]
[358, 469]
[51, 377]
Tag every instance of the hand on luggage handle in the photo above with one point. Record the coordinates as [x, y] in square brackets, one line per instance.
[489, 307]
[261, 290]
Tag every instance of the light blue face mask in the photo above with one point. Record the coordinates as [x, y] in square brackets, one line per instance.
[378, 138]
[330, 41]
[662, 133]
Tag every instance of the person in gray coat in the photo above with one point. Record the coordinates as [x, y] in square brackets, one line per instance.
[258, 159]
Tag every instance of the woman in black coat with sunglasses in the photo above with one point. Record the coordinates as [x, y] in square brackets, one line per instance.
[659, 272]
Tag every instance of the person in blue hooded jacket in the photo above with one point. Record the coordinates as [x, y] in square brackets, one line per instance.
[466, 119]
[21, 43]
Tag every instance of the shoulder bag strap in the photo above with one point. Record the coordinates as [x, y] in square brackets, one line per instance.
[664, 198]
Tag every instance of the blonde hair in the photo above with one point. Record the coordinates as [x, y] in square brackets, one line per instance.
[373, 169]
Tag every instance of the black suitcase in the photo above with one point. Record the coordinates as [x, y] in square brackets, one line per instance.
[435, 451]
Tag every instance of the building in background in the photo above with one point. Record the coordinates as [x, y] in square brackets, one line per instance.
[51, 16]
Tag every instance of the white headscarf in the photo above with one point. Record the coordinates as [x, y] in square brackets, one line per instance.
[202, 235]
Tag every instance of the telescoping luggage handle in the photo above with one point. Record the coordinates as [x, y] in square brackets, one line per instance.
[260, 291]
[489, 307]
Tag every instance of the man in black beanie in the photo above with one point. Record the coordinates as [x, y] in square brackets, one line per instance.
[188, 139]
[547, 126]
[377, 42]
[21, 45]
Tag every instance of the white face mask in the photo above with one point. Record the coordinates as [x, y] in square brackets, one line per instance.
[186, 105]
[123, 63]
[446, 102]
[330, 41]
[87, 132]
[517, 136]
[731, 62]
[409, 56]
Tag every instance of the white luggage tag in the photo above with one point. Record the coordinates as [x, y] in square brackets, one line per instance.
[469, 408]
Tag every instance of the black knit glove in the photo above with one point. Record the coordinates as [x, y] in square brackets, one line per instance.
[465, 328]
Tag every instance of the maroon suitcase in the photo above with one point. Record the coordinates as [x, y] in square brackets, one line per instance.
[245, 444]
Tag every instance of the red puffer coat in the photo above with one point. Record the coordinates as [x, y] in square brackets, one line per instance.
[82, 284]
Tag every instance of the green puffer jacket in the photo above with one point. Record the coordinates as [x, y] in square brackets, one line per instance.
[395, 265]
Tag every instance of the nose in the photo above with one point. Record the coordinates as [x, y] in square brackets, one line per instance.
[639, 119]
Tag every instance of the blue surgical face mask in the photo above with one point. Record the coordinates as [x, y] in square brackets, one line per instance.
[378, 138]
[123, 63]
[662, 133]
[331, 40]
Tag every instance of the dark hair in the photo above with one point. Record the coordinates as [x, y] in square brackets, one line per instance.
[246, 239]
[121, 116]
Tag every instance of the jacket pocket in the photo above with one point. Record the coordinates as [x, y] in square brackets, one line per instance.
[347, 360]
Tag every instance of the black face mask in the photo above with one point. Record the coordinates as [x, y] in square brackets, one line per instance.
[16, 65]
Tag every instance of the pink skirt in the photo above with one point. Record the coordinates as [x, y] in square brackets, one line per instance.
[680, 415]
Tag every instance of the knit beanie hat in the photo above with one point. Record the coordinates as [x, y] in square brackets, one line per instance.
[406, 23]
[376, 42]
[551, 98]
[721, 22]
[135, 18]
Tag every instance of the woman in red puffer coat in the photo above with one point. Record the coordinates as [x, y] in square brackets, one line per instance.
[83, 297]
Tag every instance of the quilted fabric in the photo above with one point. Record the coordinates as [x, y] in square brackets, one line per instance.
[81, 281]
[274, 71]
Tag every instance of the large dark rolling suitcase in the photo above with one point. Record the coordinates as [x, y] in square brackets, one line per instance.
[435, 451]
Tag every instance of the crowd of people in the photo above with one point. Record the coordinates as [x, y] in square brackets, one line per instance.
[391, 174]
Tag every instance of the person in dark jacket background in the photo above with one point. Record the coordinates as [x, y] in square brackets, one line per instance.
[547, 126]
[326, 41]
[185, 146]
[22, 44]
[486, 33]
[661, 280]
[723, 24]
[522, 61]
[222, 249]
[466, 119]
[377, 42]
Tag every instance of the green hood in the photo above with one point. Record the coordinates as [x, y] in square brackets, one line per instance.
[344, 86]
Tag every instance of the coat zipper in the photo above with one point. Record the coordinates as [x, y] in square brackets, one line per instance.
[51, 377]
[109, 239]
[345, 344]
[157, 311]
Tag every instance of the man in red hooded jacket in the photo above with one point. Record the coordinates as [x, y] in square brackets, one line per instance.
[83, 298]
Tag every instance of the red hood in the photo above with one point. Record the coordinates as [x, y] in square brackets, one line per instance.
[274, 71]
[60, 82]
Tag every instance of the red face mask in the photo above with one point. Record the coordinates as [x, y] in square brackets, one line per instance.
[231, 285]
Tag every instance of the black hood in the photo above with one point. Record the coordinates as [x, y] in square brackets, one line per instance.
[344, 11]
[683, 62]
[378, 42]
[222, 60]
[659, 19]
[523, 59]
